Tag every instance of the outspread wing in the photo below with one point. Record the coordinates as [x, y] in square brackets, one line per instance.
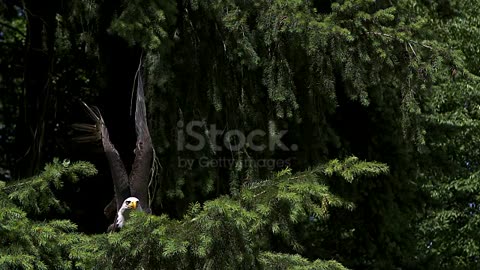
[99, 131]
[140, 174]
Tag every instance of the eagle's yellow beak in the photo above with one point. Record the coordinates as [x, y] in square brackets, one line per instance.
[133, 205]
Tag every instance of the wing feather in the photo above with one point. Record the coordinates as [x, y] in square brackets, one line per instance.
[117, 168]
[140, 174]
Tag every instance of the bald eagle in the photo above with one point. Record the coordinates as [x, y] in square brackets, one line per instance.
[130, 204]
[131, 191]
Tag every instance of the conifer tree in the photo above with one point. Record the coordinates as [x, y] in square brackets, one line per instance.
[230, 232]
[449, 164]
[391, 82]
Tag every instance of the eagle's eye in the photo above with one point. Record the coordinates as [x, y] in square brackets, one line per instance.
[127, 202]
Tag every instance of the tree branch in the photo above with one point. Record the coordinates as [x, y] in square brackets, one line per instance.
[396, 38]
[13, 28]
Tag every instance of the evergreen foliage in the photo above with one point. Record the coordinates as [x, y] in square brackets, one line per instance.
[289, 64]
[230, 232]
[392, 82]
[30, 244]
[449, 164]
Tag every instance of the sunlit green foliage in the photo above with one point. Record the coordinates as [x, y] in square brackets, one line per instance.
[227, 233]
[31, 244]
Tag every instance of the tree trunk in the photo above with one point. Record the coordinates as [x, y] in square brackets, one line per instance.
[39, 60]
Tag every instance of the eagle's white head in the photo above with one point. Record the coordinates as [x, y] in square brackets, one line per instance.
[130, 204]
